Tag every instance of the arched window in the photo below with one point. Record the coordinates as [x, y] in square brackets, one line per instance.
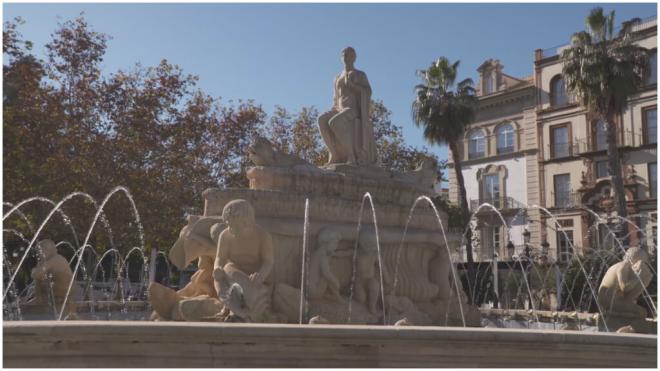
[491, 185]
[490, 83]
[476, 144]
[505, 138]
[652, 73]
[558, 96]
[600, 135]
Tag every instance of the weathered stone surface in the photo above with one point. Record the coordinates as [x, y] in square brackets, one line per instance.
[328, 208]
[175, 344]
[52, 277]
[397, 250]
[347, 182]
[346, 128]
[620, 288]
[262, 153]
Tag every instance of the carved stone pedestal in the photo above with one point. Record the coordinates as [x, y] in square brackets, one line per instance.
[419, 263]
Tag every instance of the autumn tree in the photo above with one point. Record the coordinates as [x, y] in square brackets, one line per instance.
[70, 126]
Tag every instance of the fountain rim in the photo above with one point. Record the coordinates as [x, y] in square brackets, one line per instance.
[278, 329]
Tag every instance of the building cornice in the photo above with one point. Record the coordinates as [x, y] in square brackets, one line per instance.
[489, 159]
[504, 97]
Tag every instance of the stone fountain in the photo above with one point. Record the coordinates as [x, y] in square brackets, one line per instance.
[417, 281]
[313, 261]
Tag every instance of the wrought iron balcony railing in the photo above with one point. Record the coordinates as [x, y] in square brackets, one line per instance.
[500, 203]
[565, 199]
[475, 155]
[502, 150]
[587, 145]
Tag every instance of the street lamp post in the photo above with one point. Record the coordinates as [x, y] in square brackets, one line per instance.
[511, 249]
[495, 281]
[527, 236]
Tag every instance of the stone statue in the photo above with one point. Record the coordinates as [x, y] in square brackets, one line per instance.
[262, 153]
[52, 273]
[425, 175]
[165, 301]
[244, 257]
[198, 238]
[322, 282]
[367, 287]
[623, 283]
[198, 299]
[346, 128]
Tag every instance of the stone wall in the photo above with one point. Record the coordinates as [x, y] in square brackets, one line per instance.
[172, 344]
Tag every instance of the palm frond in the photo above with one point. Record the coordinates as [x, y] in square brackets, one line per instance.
[599, 69]
[441, 111]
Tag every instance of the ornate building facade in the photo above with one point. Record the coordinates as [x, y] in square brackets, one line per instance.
[532, 148]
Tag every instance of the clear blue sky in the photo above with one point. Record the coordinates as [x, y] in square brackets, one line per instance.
[288, 54]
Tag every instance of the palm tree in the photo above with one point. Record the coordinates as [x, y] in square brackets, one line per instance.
[602, 70]
[444, 109]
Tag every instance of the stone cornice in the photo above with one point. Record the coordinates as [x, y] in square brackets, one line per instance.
[489, 159]
[504, 97]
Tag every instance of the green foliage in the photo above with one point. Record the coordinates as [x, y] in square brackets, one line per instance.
[576, 292]
[602, 71]
[443, 112]
[444, 109]
[456, 215]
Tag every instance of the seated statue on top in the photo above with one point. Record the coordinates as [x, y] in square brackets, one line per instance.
[346, 128]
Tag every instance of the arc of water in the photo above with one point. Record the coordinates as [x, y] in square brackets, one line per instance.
[305, 263]
[36, 235]
[505, 224]
[529, 290]
[56, 208]
[125, 267]
[21, 215]
[67, 244]
[91, 229]
[646, 293]
[67, 220]
[561, 229]
[88, 287]
[380, 257]
[366, 196]
[12, 287]
[611, 232]
[17, 234]
[564, 283]
[444, 236]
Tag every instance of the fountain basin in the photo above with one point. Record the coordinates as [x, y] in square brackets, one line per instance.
[178, 344]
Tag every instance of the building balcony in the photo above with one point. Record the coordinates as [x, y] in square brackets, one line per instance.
[476, 155]
[503, 150]
[584, 146]
[500, 203]
[565, 199]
